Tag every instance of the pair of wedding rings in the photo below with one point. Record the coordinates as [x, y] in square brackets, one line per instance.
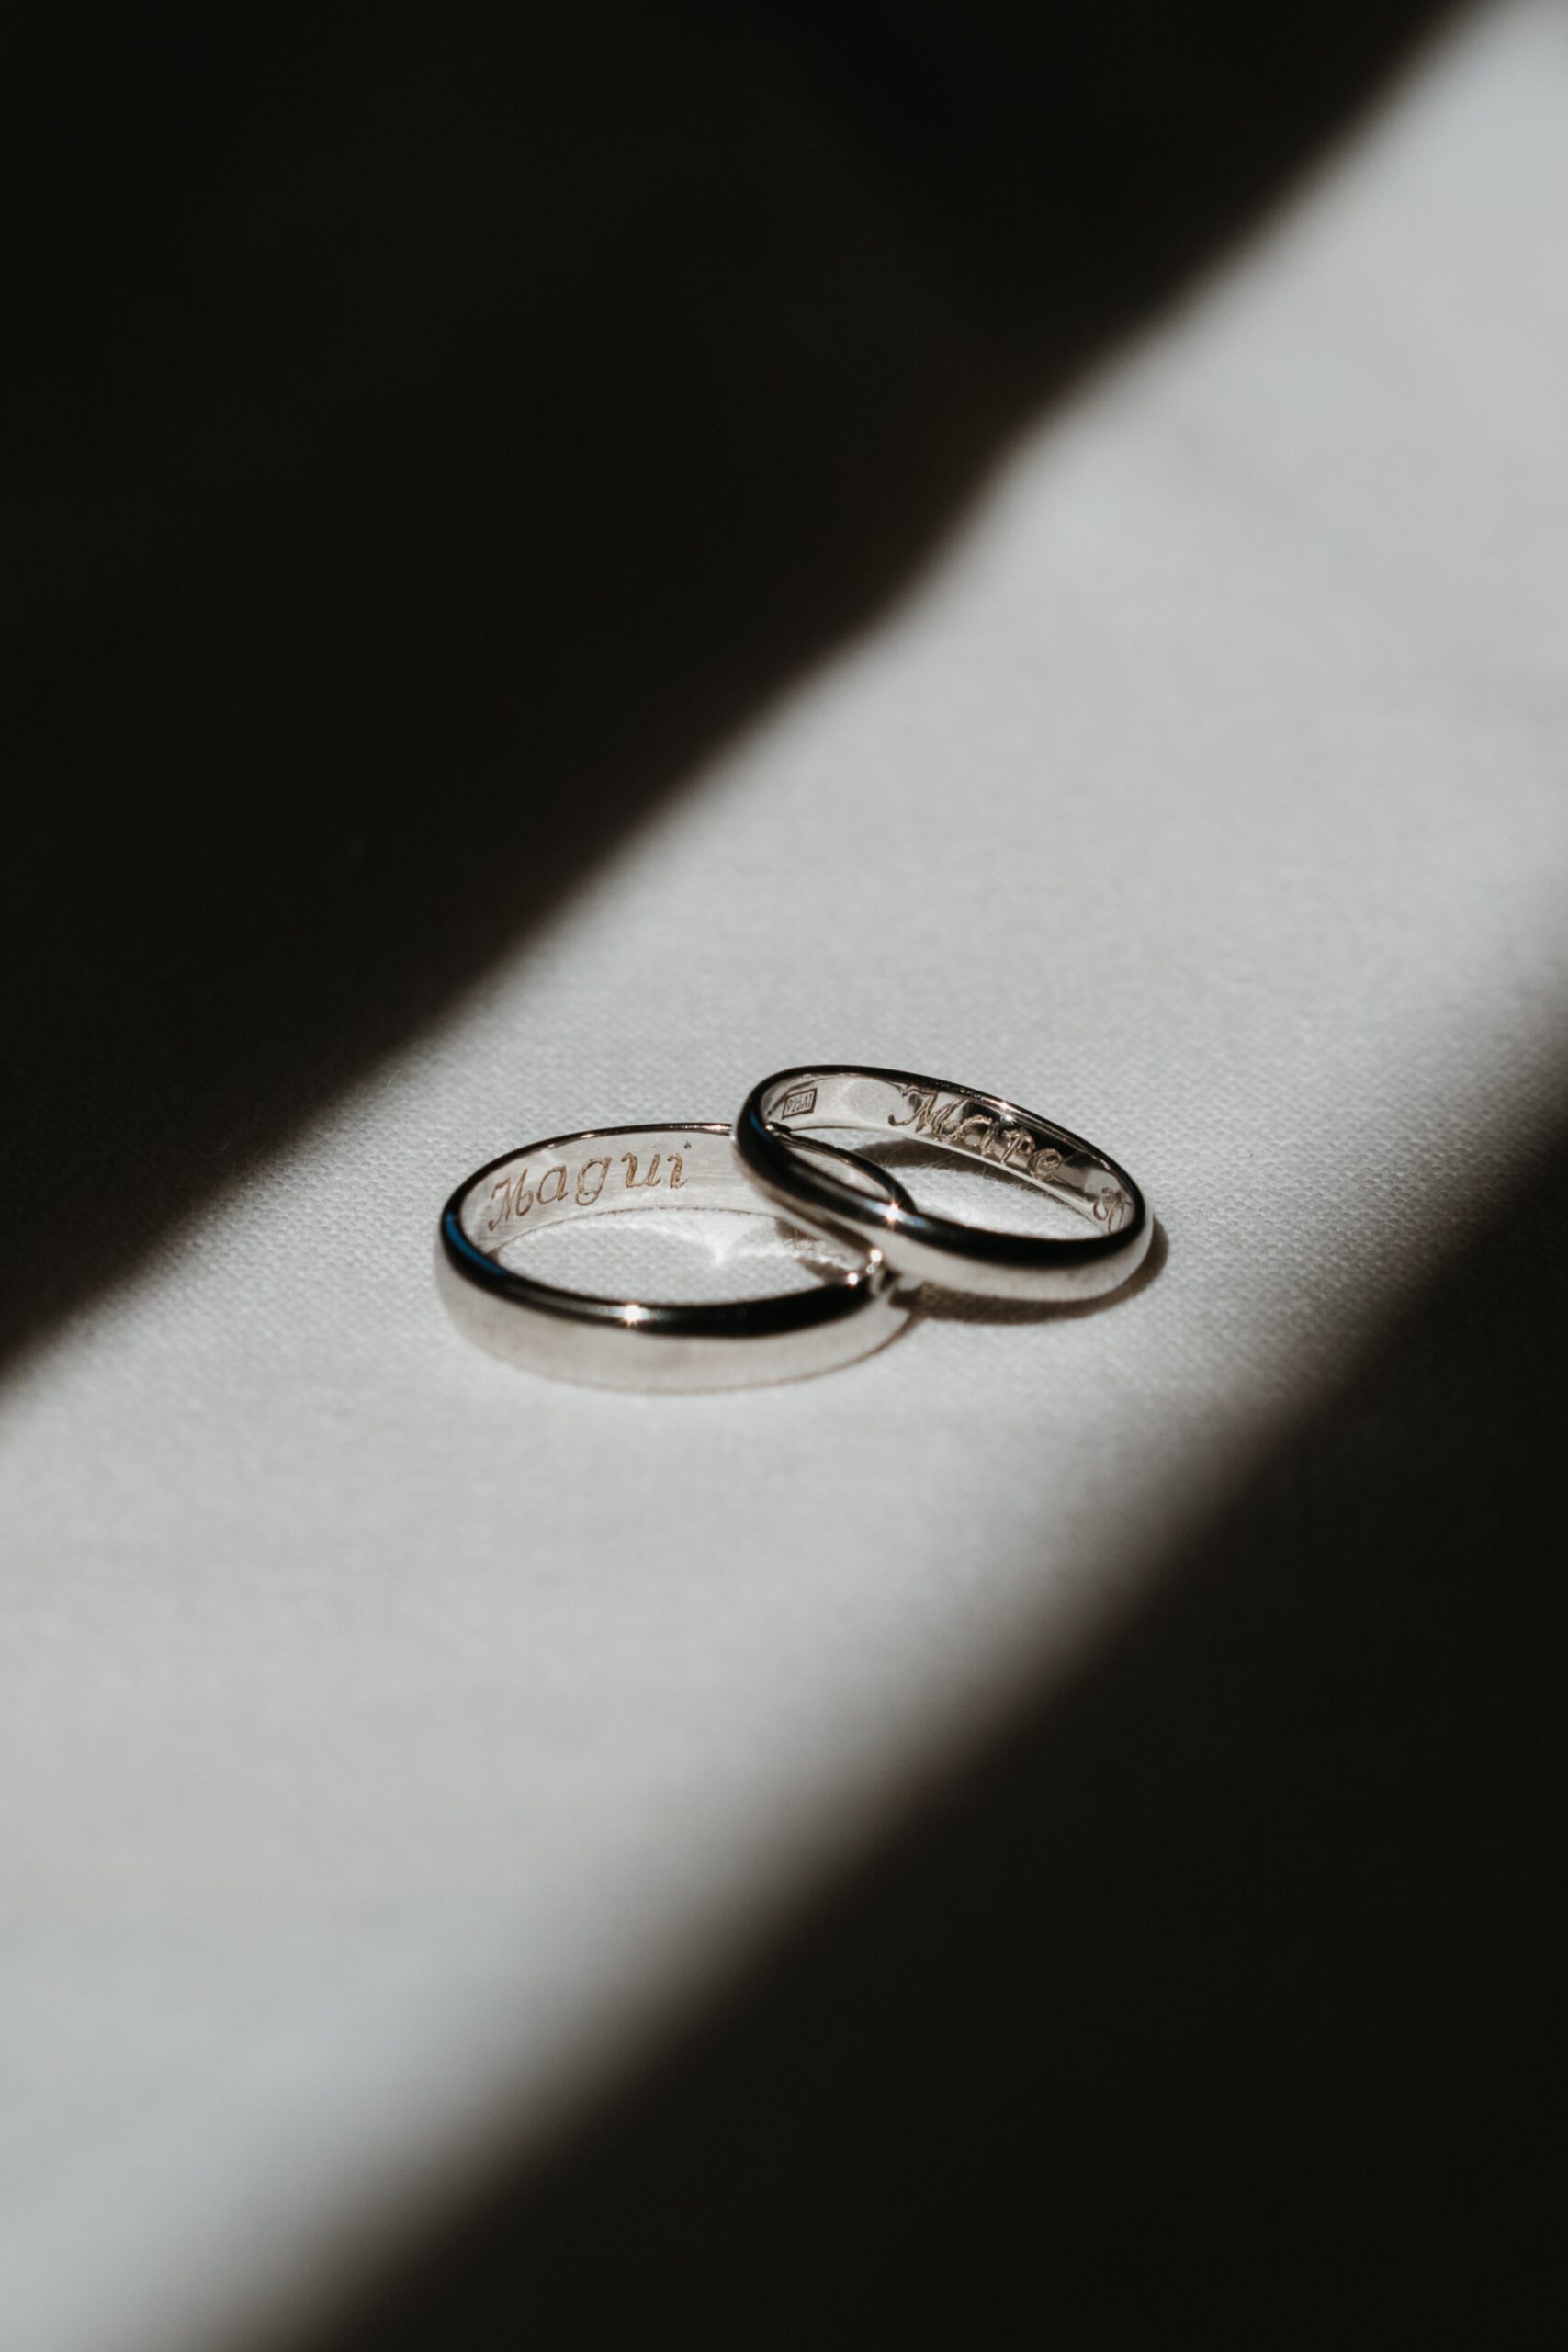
[772, 1156]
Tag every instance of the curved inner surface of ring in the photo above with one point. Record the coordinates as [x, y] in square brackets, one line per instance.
[613, 1170]
[982, 1127]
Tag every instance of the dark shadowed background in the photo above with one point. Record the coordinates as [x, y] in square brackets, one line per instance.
[431, 429]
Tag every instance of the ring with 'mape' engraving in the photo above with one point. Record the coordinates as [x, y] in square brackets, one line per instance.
[974, 1125]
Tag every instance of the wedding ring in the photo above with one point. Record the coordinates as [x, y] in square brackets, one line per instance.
[641, 1343]
[974, 1126]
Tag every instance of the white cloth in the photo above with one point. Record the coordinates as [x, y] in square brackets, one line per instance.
[388, 1740]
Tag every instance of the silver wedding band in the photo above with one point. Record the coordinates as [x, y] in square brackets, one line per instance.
[647, 1343]
[775, 1158]
[972, 1125]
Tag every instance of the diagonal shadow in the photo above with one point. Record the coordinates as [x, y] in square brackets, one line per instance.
[1217, 2001]
[431, 429]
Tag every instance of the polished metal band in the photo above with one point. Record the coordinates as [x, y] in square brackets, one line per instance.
[975, 1127]
[638, 1343]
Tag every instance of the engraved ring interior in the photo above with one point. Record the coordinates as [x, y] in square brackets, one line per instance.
[638, 1343]
[975, 1127]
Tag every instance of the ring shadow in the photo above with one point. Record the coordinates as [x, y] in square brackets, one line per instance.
[962, 1306]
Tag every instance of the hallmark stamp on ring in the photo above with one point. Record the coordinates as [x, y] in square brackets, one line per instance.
[796, 1105]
